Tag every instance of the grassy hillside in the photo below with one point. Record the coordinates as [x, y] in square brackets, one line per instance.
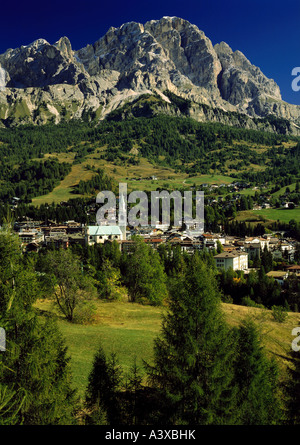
[166, 147]
[284, 214]
[137, 177]
[129, 329]
[270, 215]
[149, 153]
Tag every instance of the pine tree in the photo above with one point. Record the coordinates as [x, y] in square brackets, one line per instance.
[103, 386]
[134, 400]
[266, 260]
[35, 366]
[194, 354]
[10, 405]
[34, 370]
[256, 377]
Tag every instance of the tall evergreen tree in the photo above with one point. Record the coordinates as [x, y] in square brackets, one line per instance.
[36, 367]
[34, 370]
[10, 405]
[102, 391]
[193, 356]
[256, 378]
[266, 260]
[134, 397]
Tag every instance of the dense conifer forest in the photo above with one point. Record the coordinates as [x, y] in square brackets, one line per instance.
[182, 142]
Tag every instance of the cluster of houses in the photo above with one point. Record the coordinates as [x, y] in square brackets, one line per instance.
[234, 252]
[232, 187]
[35, 234]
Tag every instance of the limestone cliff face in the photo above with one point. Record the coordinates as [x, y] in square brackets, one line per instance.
[41, 82]
[41, 64]
[240, 81]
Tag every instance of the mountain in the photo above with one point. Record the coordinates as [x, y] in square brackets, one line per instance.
[163, 59]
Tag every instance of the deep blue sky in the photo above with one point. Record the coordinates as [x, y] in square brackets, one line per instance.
[266, 31]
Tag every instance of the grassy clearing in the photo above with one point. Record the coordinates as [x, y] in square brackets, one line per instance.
[249, 216]
[269, 215]
[284, 215]
[139, 177]
[64, 190]
[129, 330]
[281, 192]
[136, 177]
[210, 179]
[248, 192]
[276, 337]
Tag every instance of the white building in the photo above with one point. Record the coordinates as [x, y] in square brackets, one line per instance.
[235, 260]
[263, 242]
[31, 236]
[100, 234]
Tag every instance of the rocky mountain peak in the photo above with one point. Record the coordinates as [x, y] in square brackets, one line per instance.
[36, 45]
[134, 59]
[41, 64]
[240, 81]
[65, 47]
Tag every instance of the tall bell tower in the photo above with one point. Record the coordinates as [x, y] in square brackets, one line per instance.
[122, 217]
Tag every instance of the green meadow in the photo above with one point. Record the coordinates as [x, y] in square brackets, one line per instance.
[137, 177]
[129, 330]
[282, 214]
